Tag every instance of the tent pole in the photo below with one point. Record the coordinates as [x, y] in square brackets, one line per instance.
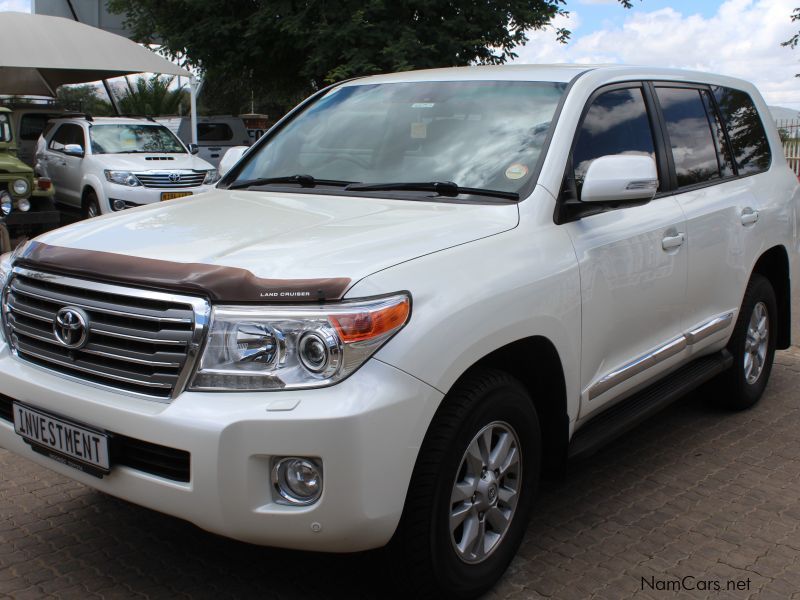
[193, 106]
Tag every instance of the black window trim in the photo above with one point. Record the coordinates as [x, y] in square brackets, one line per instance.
[567, 211]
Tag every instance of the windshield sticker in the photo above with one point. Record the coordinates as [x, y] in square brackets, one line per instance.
[423, 105]
[516, 171]
[419, 130]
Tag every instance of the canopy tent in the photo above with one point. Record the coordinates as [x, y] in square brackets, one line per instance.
[38, 53]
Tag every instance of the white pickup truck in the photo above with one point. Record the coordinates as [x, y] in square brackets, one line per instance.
[413, 297]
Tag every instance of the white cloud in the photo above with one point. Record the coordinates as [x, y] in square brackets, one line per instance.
[15, 5]
[742, 39]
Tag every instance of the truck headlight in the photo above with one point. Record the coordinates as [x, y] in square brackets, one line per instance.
[122, 178]
[6, 203]
[290, 347]
[212, 176]
[20, 187]
[24, 204]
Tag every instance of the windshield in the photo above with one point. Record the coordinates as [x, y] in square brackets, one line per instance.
[477, 134]
[131, 138]
[5, 128]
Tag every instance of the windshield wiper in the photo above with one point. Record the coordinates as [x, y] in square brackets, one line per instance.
[303, 180]
[443, 188]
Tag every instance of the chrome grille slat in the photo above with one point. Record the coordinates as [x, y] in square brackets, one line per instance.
[162, 179]
[140, 342]
[104, 307]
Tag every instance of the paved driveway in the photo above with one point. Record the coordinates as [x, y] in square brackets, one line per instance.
[692, 501]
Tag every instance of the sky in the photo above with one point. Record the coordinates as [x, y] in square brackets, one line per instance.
[741, 38]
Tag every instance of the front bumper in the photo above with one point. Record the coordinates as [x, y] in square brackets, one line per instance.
[140, 195]
[367, 431]
[33, 217]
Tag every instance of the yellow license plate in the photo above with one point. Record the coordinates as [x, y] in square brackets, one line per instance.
[173, 195]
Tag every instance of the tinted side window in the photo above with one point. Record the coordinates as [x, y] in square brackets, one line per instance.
[723, 149]
[616, 123]
[214, 132]
[745, 130]
[67, 134]
[32, 125]
[690, 135]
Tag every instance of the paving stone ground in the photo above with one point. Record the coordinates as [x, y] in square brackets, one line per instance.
[693, 499]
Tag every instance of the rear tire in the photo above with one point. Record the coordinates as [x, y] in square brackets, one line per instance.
[752, 346]
[467, 505]
[91, 206]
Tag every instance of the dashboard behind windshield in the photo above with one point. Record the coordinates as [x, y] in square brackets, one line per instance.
[477, 134]
[133, 138]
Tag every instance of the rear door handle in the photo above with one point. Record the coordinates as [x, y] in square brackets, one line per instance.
[671, 242]
[749, 216]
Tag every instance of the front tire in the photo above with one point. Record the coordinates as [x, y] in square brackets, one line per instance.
[91, 206]
[472, 490]
[752, 346]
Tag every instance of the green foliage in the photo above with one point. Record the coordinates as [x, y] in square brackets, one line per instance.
[84, 98]
[152, 96]
[281, 50]
[795, 39]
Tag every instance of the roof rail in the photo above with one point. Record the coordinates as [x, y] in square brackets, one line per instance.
[77, 115]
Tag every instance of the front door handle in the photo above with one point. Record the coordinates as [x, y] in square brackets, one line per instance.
[671, 242]
[749, 216]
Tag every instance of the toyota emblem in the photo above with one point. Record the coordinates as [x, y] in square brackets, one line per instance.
[71, 327]
[174, 177]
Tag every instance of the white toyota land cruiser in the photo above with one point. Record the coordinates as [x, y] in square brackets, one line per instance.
[411, 298]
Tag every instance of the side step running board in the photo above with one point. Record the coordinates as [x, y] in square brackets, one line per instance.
[624, 416]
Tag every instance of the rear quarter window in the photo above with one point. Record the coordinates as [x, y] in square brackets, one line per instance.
[745, 129]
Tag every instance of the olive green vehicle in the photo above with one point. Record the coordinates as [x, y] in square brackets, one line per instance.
[26, 201]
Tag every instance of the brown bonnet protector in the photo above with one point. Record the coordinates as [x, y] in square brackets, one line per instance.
[217, 283]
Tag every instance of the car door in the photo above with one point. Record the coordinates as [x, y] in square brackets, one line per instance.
[64, 169]
[721, 208]
[632, 262]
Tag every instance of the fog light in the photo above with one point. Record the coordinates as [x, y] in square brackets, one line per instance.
[24, 204]
[297, 480]
[118, 204]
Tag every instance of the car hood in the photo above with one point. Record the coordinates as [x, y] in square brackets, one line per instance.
[288, 235]
[154, 161]
[9, 163]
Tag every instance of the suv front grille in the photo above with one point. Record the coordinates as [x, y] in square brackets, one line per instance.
[137, 341]
[171, 179]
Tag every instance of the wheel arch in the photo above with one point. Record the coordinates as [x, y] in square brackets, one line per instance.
[774, 265]
[536, 363]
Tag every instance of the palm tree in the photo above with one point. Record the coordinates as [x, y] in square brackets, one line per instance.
[152, 96]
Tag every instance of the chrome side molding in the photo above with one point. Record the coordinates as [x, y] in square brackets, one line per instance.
[660, 354]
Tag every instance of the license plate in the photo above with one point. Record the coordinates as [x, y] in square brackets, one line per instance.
[173, 195]
[69, 443]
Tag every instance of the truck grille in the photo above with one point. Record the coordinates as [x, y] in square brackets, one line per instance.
[171, 179]
[136, 341]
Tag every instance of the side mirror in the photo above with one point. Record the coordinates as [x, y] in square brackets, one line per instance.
[194, 148]
[74, 150]
[620, 178]
[230, 158]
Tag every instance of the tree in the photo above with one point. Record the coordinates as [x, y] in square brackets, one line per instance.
[84, 98]
[795, 39]
[152, 96]
[282, 50]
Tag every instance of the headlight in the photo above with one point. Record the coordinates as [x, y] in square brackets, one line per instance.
[290, 347]
[24, 204]
[122, 178]
[20, 187]
[212, 176]
[6, 203]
